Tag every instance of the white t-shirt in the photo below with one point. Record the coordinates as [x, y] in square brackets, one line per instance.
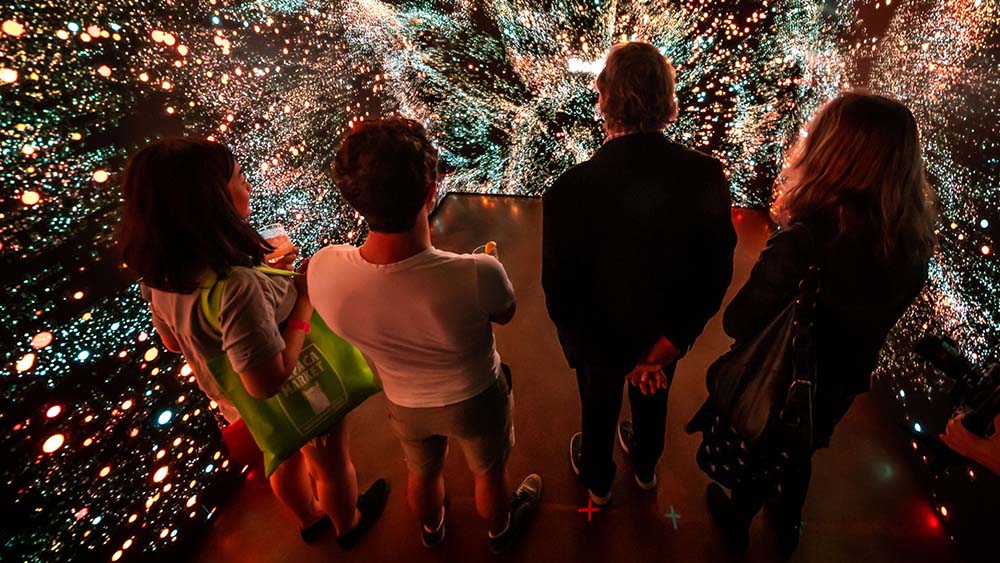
[423, 322]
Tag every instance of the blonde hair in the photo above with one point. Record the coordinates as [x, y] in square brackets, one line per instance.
[861, 155]
[637, 89]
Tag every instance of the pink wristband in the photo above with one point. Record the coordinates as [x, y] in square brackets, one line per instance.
[299, 324]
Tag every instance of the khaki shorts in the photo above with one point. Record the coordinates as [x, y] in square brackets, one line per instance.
[482, 425]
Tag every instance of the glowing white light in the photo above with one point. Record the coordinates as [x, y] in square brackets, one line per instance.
[580, 65]
[53, 443]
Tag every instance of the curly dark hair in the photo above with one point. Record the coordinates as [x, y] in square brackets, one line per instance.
[178, 219]
[385, 170]
[637, 89]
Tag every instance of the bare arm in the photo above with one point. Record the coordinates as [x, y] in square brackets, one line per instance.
[266, 379]
[985, 451]
[496, 294]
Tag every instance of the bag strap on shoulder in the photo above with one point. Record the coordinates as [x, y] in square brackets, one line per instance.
[275, 271]
[211, 303]
[805, 309]
[211, 294]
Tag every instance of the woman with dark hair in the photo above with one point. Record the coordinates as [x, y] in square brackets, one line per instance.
[853, 203]
[183, 227]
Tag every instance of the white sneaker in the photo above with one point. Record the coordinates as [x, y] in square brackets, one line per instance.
[599, 501]
[626, 436]
[646, 486]
[575, 444]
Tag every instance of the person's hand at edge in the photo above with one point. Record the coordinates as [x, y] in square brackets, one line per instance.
[286, 261]
[985, 451]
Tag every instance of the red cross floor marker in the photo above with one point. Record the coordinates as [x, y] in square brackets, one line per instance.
[590, 509]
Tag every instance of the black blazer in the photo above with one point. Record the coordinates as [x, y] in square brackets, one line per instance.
[637, 242]
[862, 295]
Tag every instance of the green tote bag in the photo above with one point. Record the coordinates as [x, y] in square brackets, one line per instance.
[330, 379]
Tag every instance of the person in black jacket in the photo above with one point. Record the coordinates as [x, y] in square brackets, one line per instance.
[637, 255]
[854, 203]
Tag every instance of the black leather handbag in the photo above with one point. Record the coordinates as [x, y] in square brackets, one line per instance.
[764, 387]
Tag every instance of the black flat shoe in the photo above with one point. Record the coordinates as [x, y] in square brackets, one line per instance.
[788, 539]
[370, 505]
[787, 524]
[315, 531]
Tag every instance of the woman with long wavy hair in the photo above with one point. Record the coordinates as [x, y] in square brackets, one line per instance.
[854, 202]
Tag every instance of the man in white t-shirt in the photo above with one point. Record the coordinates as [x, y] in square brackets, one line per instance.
[422, 317]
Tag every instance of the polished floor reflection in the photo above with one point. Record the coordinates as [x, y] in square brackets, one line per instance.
[864, 504]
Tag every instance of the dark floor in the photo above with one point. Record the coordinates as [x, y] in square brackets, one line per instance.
[864, 505]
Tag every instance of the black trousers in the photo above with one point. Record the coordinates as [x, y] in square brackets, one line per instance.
[791, 497]
[601, 401]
